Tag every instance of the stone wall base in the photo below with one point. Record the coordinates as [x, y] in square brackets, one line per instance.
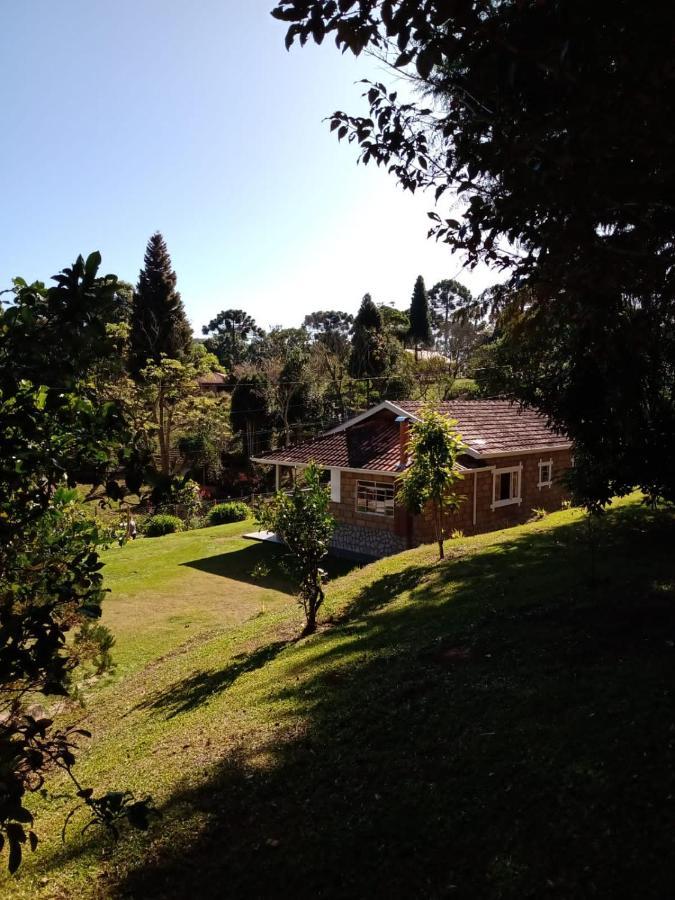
[357, 542]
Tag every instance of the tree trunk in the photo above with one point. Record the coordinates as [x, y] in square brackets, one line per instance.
[440, 533]
[163, 449]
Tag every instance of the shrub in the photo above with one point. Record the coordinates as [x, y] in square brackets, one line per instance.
[161, 524]
[236, 511]
[465, 389]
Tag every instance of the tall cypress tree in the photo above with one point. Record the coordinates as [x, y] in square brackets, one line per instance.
[420, 319]
[158, 322]
[368, 357]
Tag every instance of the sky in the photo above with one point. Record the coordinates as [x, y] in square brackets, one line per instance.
[124, 117]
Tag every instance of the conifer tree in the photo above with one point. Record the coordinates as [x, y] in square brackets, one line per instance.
[368, 357]
[420, 319]
[158, 322]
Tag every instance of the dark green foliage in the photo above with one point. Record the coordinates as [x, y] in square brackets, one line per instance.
[395, 321]
[249, 416]
[445, 299]
[429, 479]
[96, 641]
[368, 357]
[552, 122]
[618, 406]
[54, 335]
[330, 328]
[161, 524]
[234, 511]
[330, 352]
[303, 522]
[232, 336]
[420, 322]
[52, 427]
[158, 322]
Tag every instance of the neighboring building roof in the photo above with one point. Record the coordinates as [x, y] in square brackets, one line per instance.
[428, 354]
[371, 442]
[216, 378]
[495, 426]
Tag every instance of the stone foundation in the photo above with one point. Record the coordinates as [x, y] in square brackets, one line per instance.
[358, 542]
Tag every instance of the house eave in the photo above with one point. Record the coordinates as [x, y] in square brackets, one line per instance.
[391, 474]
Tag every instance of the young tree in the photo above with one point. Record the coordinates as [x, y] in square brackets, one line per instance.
[159, 326]
[434, 446]
[303, 522]
[525, 105]
[230, 337]
[166, 404]
[420, 324]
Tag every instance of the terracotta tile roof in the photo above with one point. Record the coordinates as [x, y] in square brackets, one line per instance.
[487, 427]
[496, 426]
[367, 445]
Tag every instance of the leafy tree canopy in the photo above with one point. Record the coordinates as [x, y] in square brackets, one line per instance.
[433, 449]
[552, 124]
[303, 521]
[230, 336]
[53, 428]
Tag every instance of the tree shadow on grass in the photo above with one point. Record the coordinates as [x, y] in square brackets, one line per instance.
[189, 693]
[507, 736]
[259, 564]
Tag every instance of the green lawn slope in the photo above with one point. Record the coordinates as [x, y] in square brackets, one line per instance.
[500, 725]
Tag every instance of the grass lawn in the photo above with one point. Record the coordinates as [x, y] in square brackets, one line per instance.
[500, 725]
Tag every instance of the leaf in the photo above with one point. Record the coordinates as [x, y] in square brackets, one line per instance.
[92, 264]
[14, 856]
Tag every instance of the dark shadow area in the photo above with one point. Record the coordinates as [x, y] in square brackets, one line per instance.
[191, 692]
[258, 563]
[506, 735]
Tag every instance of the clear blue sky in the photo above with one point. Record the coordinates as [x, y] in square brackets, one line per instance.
[127, 116]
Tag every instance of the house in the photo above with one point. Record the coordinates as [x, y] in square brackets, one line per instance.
[512, 463]
[213, 383]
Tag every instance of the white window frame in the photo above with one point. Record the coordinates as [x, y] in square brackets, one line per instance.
[541, 483]
[496, 478]
[376, 485]
[335, 485]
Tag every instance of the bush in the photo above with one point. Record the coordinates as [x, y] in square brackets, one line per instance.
[236, 511]
[161, 524]
[464, 389]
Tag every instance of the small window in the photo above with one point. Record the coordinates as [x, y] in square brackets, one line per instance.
[545, 473]
[375, 498]
[506, 487]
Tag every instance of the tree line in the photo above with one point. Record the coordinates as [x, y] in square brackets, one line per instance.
[281, 384]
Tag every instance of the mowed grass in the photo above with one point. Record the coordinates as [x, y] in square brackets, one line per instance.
[500, 725]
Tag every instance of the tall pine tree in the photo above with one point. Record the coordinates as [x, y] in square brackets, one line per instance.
[158, 322]
[368, 358]
[420, 320]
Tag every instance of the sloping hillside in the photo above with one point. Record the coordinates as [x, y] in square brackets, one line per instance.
[501, 725]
